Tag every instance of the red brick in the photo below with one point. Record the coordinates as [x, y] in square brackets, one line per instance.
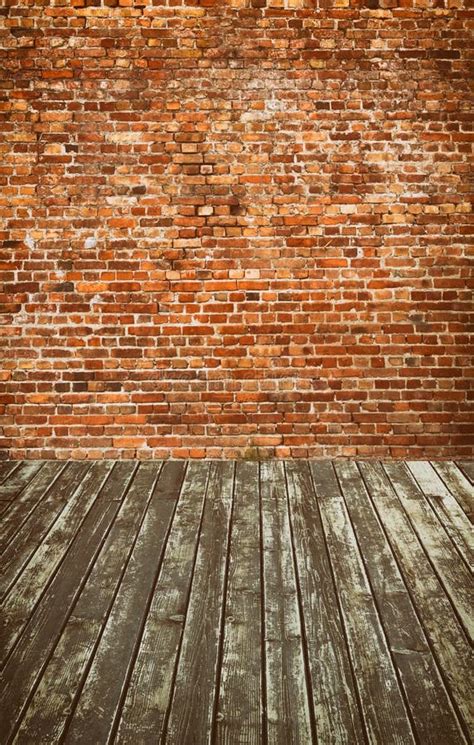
[235, 245]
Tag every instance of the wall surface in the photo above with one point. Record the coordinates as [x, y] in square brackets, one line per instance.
[234, 229]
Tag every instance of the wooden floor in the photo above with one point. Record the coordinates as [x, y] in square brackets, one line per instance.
[298, 602]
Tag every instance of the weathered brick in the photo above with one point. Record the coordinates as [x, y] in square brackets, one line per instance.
[245, 243]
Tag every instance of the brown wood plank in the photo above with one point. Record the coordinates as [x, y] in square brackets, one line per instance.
[53, 700]
[447, 638]
[445, 506]
[287, 706]
[453, 573]
[24, 506]
[19, 479]
[240, 704]
[383, 706]
[335, 697]
[191, 715]
[457, 483]
[126, 640]
[43, 629]
[54, 521]
[432, 712]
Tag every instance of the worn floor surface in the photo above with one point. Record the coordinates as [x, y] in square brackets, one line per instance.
[226, 602]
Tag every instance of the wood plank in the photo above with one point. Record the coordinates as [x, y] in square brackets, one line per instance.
[54, 699]
[192, 710]
[122, 474]
[6, 468]
[467, 466]
[53, 517]
[335, 697]
[131, 636]
[459, 486]
[24, 506]
[448, 641]
[432, 712]
[453, 573]
[18, 480]
[287, 706]
[240, 701]
[40, 569]
[30, 655]
[384, 712]
[445, 506]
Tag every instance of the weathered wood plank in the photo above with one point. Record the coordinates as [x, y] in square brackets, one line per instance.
[122, 473]
[453, 573]
[248, 640]
[54, 699]
[459, 486]
[384, 712]
[240, 705]
[449, 513]
[192, 709]
[6, 468]
[40, 569]
[17, 481]
[287, 706]
[335, 696]
[28, 658]
[442, 627]
[432, 712]
[467, 466]
[130, 635]
[24, 506]
[54, 521]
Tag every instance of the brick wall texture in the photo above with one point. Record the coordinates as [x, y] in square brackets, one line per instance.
[235, 229]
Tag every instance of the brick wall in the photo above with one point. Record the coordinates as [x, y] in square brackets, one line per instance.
[234, 228]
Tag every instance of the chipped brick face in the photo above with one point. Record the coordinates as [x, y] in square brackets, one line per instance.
[234, 229]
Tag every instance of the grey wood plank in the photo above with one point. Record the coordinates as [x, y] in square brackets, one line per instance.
[383, 706]
[6, 468]
[17, 480]
[30, 655]
[457, 483]
[129, 635]
[24, 506]
[194, 696]
[335, 697]
[433, 715]
[447, 638]
[453, 573]
[240, 704]
[38, 573]
[467, 466]
[54, 520]
[287, 705]
[54, 699]
[446, 507]
[122, 473]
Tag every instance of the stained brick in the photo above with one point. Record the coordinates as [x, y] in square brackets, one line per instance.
[235, 228]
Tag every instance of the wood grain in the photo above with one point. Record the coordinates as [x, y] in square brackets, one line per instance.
[195, 688]
[240, 705]
[385, 716]
[334, 693]
[122, 632]
[460, 486]
[220, 602]
[52, 702]
[287, 705]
